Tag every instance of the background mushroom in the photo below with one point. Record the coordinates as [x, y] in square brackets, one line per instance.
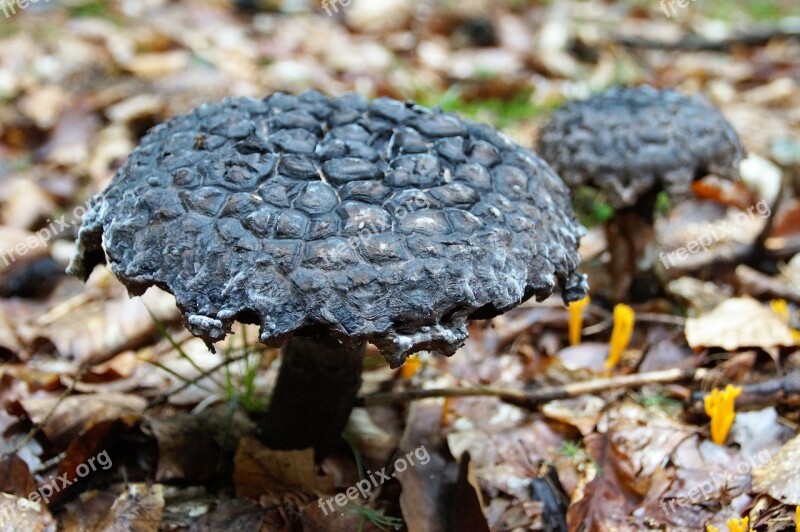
[631, 144]
[332, 222]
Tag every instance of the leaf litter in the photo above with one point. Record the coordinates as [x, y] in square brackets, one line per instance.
[86, 369]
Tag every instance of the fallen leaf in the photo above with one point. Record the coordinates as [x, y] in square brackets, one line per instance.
[606, 501]
[72, 415]
[139, 509]
[230, 514]
[759, 431]
[630, 451]
[258, 469]
[581, 412]
[780, 477]
[738, 323]
[191, 446]
[428, 500]
[85, 512]
[17, 513]
[93, 328]
[589, 355]
[15, 477]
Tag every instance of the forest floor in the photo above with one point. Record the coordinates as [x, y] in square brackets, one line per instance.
[115, 418]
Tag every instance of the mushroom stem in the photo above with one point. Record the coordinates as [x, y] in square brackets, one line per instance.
[314, 394]
[631, 237]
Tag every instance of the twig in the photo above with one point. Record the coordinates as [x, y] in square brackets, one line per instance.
[644, 317]
[541, 395]
[694, 43]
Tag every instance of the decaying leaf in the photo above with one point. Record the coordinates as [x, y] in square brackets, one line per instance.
[631, 449]
[93, 329]
[581, 412]
[737, 323]
[438, 484]
[18, 513]
[74, 414]
[15, 477]
[780, 477]
[191, 446]
[258, 469]
[139, 509]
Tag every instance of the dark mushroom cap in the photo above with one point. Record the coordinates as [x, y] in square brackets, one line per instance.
[626, 141]
[373, 221]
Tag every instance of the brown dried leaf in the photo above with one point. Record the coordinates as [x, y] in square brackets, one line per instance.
[93, 328]
[467, 495]
[15, 477]
[426, 488]
[85, 512]
[258, 470]
[26, 205]
[608, 499]
[630, 450]
[73, 415]
[190, 445]
[139, 509]
[231, 514]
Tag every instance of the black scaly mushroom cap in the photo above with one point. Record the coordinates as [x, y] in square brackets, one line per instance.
[626, 141]
[373, 221]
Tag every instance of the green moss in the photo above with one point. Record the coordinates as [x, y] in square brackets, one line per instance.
[664, 203]
[731, 10]
[92, 8]
[760, 10]
[659, 401]
[570, 449]
[497, 111]
[591, 206]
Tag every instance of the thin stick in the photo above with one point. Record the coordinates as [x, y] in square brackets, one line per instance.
[541, 395]
[693, 43]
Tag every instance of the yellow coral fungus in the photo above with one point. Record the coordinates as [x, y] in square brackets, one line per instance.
[719, 406]
[445, 412]
[410, 367]
[797, 518]
[624, 317]
[711, 528]
[781, 308]
[738, 525]
[576, 320]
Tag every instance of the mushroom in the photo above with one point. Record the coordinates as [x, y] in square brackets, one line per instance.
[330, 223]
[631, 144]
